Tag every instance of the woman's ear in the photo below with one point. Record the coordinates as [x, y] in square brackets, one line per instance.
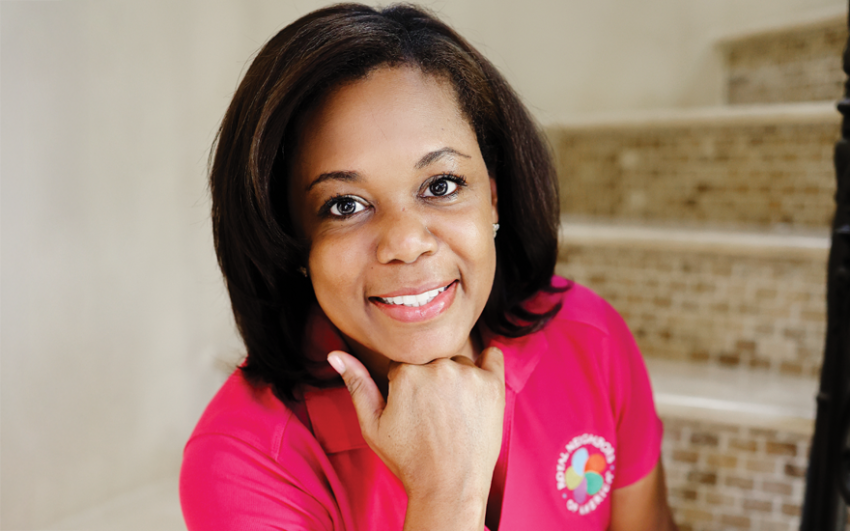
[494, 200]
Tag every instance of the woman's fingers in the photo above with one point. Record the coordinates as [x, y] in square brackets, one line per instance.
[367, 399]
[440, 428]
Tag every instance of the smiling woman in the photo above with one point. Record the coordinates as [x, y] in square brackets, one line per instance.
[402, 255]
[360, 180]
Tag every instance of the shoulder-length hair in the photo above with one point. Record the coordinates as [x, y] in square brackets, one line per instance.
[258, 250]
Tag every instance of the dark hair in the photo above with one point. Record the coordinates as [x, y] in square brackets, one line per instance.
[258, 250]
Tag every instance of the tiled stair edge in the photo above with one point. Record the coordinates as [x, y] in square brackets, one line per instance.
[733, 396]
[772, 114]
[709, 393]
[702, 297]
[826, 16]
[763, 243]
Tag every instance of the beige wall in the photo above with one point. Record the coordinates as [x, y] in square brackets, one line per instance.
[115, 325]
[112, 308]
[569, 57]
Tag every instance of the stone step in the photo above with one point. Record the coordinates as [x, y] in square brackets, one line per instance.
[736, 444]
[730, 299]
[792, 63]
[152, 506]
[730, 166]
[739, 397]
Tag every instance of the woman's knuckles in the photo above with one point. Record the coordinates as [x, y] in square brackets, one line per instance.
[429, 408]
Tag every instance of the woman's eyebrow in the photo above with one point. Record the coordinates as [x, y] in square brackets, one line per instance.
[435, 155]
[334, 175]
[349, 176]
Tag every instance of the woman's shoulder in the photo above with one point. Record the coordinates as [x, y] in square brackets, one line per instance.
[580, 306]
[585, 328]
[250, 462]
[248, 413]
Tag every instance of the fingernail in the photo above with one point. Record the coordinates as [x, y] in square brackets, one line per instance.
[336, 363]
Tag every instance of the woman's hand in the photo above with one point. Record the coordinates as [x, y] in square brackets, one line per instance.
[439, 431]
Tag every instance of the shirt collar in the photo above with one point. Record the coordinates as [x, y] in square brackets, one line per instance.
[331, 411]
[522, 355]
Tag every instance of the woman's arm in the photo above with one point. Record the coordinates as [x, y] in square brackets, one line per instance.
[439, 431]
[642, 506]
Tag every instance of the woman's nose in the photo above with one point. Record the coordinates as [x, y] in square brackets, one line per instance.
[404, 237]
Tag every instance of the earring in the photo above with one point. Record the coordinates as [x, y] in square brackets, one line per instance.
[495, 229]
[303, 271]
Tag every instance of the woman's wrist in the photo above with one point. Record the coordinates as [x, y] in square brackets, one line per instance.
[446, 510]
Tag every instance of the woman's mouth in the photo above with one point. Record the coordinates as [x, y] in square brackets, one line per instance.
[417, 307]
[413, 301]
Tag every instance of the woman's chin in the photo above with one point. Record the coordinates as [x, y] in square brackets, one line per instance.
[426, 351]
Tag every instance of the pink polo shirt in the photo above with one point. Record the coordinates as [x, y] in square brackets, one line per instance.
[579, 422]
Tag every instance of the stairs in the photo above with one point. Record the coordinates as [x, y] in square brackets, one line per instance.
[708, 229]
[751, 300]
[787, 65]
[760, 165]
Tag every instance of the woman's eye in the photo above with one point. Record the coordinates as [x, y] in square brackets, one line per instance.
[345, 206]
[441, 187]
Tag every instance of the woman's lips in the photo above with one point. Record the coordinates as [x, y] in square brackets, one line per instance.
[412, 314]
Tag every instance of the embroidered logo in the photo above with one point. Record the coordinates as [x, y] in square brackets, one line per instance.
[585, 472]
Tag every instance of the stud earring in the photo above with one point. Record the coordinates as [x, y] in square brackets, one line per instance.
[495, 229]
[303, 271]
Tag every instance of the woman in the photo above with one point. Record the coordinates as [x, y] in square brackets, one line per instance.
[383, 205]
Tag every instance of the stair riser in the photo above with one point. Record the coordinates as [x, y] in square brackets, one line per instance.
[732, 174]
[723, 476]
[792, 66]
[811, 80]
[758, 312]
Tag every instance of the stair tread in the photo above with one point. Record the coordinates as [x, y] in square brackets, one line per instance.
[768, 113]
[698, 237]
[151, 506]
[784, 23]
[739, 395]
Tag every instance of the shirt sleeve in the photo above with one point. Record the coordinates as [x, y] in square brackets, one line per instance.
[226, 484]
[639, 430]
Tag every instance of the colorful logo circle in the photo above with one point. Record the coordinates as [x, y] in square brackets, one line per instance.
[584, 477]
[585, 472]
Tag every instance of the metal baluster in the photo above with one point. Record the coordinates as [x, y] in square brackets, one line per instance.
[828, 476]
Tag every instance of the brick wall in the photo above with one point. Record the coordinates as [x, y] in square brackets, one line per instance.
[723, 477]
[791, 66]
[725, 174]
[763, 312]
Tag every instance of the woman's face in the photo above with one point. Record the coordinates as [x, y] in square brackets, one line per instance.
[391, 191]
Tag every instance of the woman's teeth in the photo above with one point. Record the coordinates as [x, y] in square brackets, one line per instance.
[414, 301]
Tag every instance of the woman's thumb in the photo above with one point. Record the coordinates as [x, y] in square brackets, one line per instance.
[367, 399]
